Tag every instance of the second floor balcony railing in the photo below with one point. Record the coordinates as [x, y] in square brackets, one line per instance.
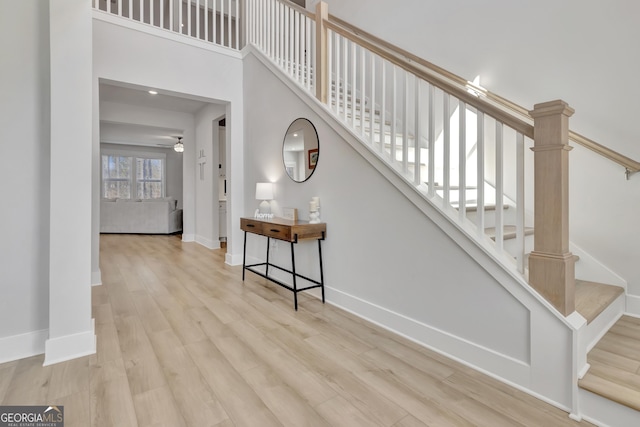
[214, 21]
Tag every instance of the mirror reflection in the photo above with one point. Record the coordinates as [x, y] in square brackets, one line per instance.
[300, 150]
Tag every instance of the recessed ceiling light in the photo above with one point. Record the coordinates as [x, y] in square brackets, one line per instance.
[153, 92]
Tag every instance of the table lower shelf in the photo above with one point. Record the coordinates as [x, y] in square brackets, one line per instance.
[295, 289]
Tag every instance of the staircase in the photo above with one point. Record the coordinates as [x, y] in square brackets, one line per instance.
[438, 141]
[613, 376]
[614, 359]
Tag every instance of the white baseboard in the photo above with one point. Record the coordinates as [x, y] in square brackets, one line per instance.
[633, 305]
[188, 237]
[24, 345]
[233, 259]
[589, 268]
[208, 243]
[506, 369]
[96, 278]
[70, 346]
[454, 347]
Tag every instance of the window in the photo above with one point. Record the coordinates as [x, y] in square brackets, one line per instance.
[116, 177]
[149, 178]
[133, 176]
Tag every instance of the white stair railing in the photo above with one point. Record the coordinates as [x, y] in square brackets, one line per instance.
[437, 136]
[285, 33]
[214, 21]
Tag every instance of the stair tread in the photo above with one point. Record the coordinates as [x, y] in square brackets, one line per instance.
[508, 232]
[611, 390]
[593, 297]
[615, 364]
[474, 208]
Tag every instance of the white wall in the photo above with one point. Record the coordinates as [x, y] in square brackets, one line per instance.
[24, 168]
[531, 52]
[71, 331]
[386, 261]
[130, 56]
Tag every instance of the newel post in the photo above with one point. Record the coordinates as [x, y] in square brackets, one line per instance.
[551, 265]
[322, 68]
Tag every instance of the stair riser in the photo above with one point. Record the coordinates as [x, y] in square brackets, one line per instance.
[508, 217]
[511, 246]
[606, 413]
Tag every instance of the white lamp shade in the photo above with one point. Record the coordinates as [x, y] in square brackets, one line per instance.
[264, 191]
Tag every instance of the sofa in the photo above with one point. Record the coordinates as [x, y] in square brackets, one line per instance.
[148, 216]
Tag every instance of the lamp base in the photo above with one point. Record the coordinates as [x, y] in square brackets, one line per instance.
[265, 207]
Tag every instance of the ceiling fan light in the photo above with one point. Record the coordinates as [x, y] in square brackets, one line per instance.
[179, 146]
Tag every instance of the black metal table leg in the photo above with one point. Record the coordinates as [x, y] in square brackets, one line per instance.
[293, 269]
[244, 255]
[321, 272]
[266, 267]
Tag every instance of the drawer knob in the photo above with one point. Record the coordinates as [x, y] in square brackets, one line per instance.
[250, 225]
[275, 231]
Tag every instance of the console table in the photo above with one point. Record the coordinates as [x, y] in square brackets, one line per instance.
[288, 231]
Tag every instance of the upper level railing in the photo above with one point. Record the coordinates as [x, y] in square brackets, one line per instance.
[215, 21]
[285, 33]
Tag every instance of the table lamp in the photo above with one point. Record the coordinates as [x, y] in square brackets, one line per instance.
[264, 192]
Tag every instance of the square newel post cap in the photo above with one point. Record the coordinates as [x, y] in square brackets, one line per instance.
[551, 108]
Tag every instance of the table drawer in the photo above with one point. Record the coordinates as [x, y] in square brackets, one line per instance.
[282, 232]
[276, 231]
[252, 226]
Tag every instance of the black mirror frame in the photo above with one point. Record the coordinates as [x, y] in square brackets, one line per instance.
[315, 131]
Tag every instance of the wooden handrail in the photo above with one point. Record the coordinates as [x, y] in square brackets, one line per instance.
[458, 86]
[463, 83]
[300, 9]
[630, 165]
[462, 94]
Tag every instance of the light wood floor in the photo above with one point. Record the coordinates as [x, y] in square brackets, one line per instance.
[615, 364]
[182, 341]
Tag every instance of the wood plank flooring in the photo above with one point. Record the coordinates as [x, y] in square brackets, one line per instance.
[182, 341]
[615, 364]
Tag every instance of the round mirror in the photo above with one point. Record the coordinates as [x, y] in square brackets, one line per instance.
[300, 150]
